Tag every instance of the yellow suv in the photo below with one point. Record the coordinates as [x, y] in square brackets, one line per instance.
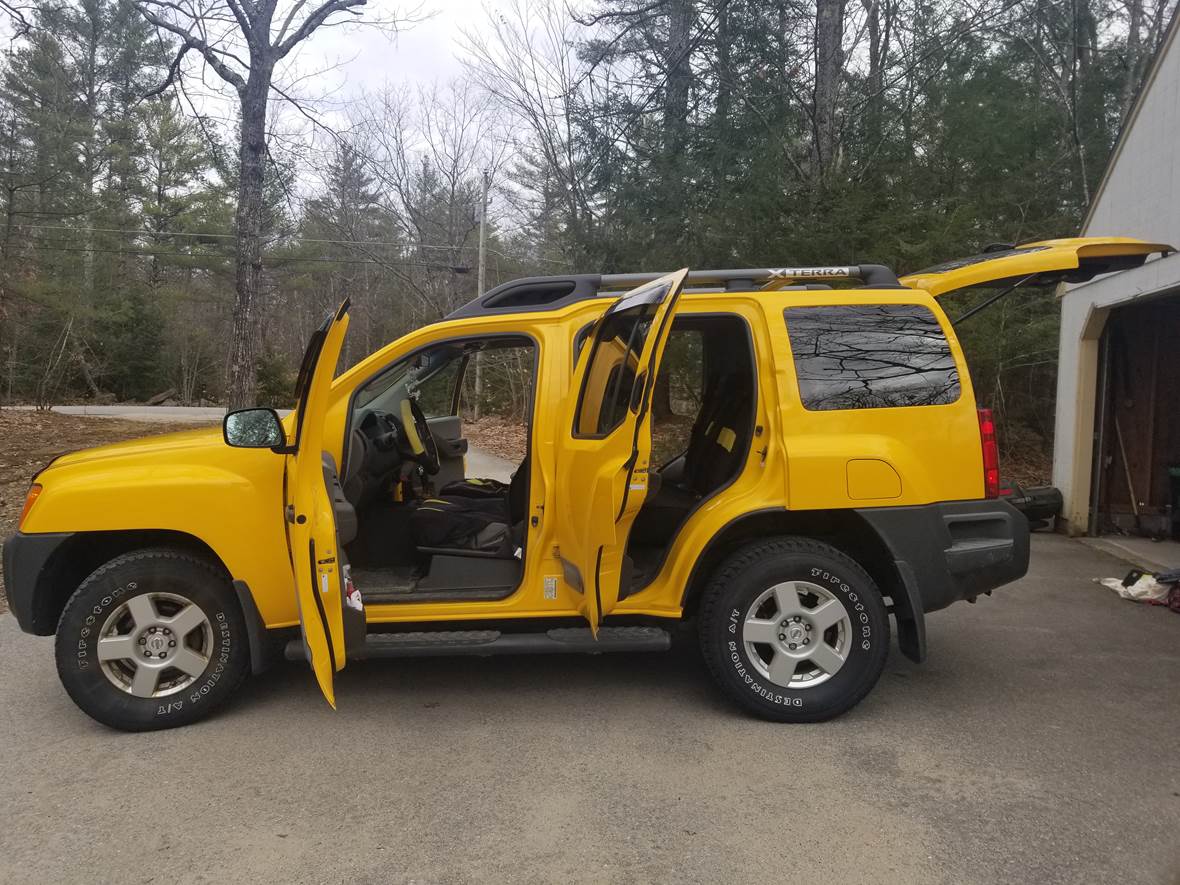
[831, 468]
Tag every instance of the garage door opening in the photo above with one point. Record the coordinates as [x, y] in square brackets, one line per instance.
[1136, 470]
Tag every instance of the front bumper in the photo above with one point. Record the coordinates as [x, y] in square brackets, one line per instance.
[28, 560]
[954, 550]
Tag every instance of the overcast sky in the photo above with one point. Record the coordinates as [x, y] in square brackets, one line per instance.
[423, 53]
[329, 69]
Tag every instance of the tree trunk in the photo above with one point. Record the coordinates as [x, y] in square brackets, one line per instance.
[677, 86]
[829, 66]
[875, 82]
[241, 379]
[1131, 77]
[721, 111]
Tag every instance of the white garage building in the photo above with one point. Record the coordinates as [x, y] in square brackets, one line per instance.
[1116, 455]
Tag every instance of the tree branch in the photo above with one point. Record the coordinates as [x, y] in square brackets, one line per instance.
[244, 21]
[191, 42]
[173, 71]
[313, 21]
[290, 18]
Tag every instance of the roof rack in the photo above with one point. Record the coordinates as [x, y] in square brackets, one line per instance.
[551, 293]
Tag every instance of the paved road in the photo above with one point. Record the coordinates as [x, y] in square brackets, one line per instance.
[1037, 745]
[479, 463]
[149, 414]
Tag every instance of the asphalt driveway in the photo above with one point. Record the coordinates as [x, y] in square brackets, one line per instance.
[1038, 744]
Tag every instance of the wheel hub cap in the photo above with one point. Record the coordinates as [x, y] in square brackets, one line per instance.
[156, 643]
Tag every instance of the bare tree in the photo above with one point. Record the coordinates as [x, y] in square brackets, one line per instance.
[428, 152]
[218, 30]
[528, 65]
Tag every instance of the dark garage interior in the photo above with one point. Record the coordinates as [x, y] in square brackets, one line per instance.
[1137, 422]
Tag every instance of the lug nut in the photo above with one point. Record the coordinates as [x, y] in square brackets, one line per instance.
[142, 640]
[806, 641]
[791, 646]
[171, 643]
[808, 628]
[167, 632]
[147, 654]
[782, 636]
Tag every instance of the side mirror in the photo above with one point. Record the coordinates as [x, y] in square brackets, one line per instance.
[253, 429]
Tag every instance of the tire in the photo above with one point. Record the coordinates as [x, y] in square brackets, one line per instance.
[174, 644]
[771, 592]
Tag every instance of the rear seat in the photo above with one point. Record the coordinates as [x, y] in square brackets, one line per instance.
[718, 442]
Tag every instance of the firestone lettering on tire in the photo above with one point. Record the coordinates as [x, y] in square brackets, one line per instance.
[83, 656]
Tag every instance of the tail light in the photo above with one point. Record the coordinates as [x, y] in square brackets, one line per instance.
[991, 454]
[34, 491]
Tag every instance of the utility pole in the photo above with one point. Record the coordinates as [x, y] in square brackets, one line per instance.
[480, 279]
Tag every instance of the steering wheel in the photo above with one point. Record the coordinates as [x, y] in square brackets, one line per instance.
[385, 435]
[418, 435]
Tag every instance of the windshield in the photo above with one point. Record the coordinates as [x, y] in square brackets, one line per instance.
[405, 377]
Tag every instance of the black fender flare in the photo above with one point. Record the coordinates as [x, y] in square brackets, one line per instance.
[895, 577]
[255, 628]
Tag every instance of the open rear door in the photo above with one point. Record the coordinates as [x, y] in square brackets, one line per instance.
[321, 579]
[1036, 264]
[603, 459]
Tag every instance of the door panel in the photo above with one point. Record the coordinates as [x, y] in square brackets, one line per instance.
[604, 455]
[1043, 263]
[321, 578]
[452, 448]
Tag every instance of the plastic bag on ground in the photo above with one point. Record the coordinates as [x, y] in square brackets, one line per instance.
[1145, 589]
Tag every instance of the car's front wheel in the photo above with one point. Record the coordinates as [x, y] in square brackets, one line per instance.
[794, 630]
[152, 639]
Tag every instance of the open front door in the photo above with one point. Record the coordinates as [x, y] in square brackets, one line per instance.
[320, 576]
[603, 459]
[1045, 263]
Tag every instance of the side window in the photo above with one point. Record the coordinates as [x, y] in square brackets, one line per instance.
[607, 389]
[505, 377]
[676, 400]
[871, 357]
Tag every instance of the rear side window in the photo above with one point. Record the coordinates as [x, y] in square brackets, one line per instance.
[871, 356]
[608, 387]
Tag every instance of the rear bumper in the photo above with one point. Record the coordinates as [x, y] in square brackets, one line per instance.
[954, 550]
[26, 558]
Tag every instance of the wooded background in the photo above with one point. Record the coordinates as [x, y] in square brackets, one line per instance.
[618, 135]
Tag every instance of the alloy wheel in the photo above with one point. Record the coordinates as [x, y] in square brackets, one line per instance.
[797, 634]
[155, 644]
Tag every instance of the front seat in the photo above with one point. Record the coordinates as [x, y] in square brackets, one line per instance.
[490, 525]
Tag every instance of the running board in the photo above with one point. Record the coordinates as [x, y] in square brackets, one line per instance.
[483, 643]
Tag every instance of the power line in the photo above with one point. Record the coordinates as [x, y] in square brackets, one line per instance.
[231, 236]
[228, 236]
[281, 259]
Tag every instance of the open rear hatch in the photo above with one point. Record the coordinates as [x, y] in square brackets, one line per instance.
[1044, 263]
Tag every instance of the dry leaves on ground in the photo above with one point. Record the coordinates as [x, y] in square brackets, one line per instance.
[498, 436]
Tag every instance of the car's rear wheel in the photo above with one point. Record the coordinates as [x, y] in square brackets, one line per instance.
[153, 639]
[794, 630]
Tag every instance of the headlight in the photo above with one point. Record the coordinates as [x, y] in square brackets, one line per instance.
[30, 498]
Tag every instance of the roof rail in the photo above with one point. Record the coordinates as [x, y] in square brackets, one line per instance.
[550, 293]
[744, 279]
